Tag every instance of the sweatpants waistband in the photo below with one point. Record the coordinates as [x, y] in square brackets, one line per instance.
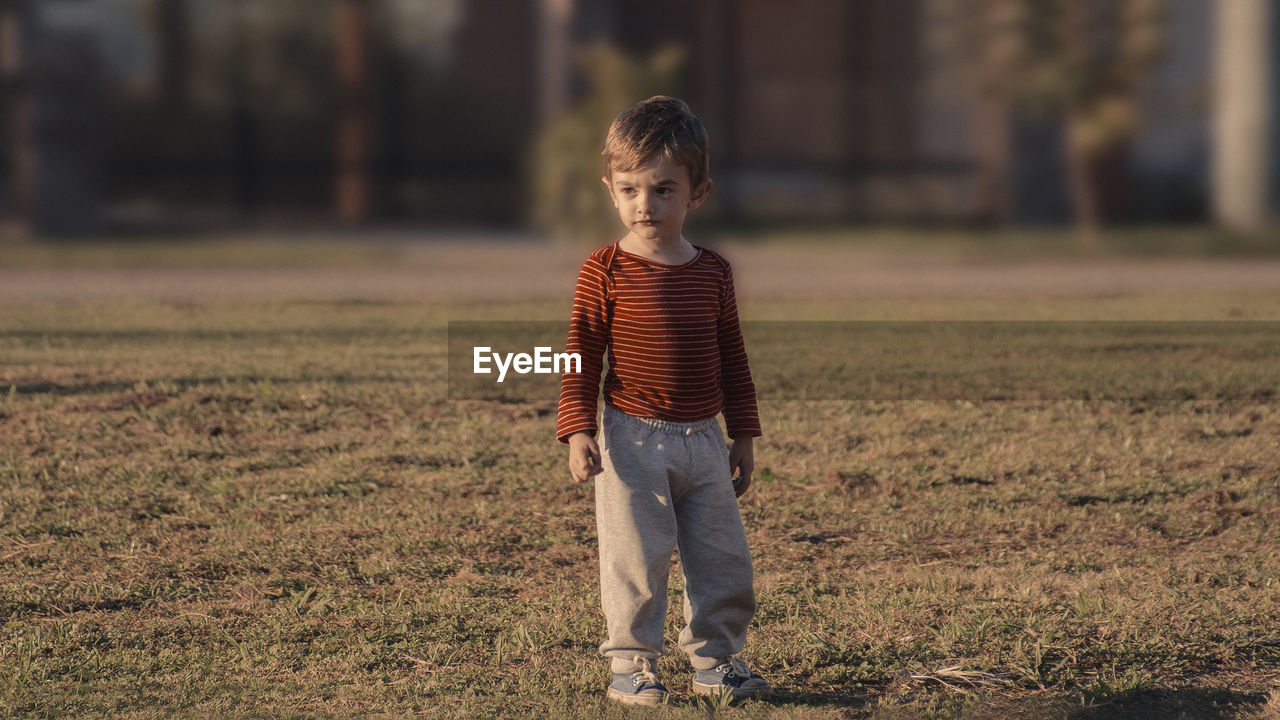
[668, 426]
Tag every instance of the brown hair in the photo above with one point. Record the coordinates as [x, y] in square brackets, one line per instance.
[660, 127]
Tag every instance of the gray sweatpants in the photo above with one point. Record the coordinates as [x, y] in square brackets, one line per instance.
[667, 483]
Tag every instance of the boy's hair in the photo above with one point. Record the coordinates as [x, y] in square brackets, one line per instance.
[658, 128]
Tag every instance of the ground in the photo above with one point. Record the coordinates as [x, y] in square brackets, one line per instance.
[236, 481]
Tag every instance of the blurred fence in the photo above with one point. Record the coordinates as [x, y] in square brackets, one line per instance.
[192, 114]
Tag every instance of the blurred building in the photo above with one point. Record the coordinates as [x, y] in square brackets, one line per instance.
[52, 106]
[195, 113]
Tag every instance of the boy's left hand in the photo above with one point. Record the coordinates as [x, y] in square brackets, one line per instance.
[741, 463]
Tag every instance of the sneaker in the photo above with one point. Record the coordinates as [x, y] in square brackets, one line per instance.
[641, 687]
[733, 677]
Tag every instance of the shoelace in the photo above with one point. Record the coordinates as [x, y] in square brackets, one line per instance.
[645, 672]
[738, 668]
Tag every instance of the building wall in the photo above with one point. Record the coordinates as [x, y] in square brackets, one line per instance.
[1171, 151]
[791, 107]
[1275, 112]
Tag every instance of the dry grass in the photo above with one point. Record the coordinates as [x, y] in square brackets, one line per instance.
[960, 680]
[245, 509]
[1270, 710]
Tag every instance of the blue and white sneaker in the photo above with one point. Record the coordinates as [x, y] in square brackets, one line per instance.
[641, 687]
[732, 677]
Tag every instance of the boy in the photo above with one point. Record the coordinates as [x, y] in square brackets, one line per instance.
[664, 313]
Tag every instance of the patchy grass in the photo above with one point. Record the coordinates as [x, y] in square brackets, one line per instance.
[244, 510]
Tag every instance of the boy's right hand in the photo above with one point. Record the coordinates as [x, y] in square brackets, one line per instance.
[584, 457]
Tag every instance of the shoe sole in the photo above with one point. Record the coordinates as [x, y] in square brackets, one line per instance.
[700, 689]
[632, 699]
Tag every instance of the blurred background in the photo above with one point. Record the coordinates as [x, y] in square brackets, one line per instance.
[172, 116]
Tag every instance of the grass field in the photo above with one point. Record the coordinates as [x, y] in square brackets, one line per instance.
[271, 507]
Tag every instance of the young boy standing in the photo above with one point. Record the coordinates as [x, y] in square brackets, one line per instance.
[664, 313]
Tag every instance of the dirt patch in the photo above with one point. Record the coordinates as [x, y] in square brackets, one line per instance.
[530, 270]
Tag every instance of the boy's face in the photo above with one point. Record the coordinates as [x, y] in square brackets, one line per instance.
[652, 200]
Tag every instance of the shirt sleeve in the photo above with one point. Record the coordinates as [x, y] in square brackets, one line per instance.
[741, 416]
[588, 337]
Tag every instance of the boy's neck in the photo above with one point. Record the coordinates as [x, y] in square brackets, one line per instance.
[660, 250]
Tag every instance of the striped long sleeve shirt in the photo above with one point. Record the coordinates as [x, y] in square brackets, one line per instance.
[671, 337]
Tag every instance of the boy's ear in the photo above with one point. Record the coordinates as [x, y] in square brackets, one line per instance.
[609, 185]
[700, 193]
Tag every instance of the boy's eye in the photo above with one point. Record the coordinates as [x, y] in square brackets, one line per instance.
[627, 191]
[664, 191]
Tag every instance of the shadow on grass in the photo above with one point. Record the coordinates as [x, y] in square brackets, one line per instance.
[1185, 703]
[795, 698]
[1180, 704]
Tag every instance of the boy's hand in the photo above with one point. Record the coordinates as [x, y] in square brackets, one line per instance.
[742, 461]
[584, 457]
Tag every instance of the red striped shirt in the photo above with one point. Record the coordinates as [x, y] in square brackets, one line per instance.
[672, 339]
